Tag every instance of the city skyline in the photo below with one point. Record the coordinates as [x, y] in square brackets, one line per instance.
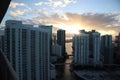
[70, 15]
[33, 57]
[60, 40]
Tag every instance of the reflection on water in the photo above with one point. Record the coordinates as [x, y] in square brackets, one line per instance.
[67, 73]
[69, 48]
[63, 72]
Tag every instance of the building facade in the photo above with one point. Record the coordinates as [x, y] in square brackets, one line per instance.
[61, 40]
[96, 48]
[81, 49]
[107, 49]
[91, 44]
[56, 49]
[49, 28]
[28, 50]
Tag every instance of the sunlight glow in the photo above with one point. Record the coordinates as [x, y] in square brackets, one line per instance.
[74, 29]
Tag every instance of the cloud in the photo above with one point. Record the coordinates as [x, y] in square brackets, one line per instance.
[98, 21]
[39, 4]
[41, 12]
[15, 4]
[56, 3]
[16, 13]
[106, 23]
[66, 2]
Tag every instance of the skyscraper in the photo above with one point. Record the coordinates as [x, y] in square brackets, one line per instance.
[94, 46]
[107, 49]
[49, 28]
[81, 49]
[28, 50]
[87, 44]
[61, 40]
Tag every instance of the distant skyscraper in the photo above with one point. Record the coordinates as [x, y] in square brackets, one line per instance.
[56, 49]
[107, 49]
[61, 40]
[28, 50]
[117, 49]
[81, 49]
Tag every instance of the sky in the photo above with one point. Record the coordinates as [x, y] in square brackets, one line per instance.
[71, 15]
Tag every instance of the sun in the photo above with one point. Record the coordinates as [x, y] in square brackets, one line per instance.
[74, 29]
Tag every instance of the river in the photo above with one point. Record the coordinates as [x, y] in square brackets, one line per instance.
[63, 71]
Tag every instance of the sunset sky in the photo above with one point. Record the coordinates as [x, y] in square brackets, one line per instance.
[71, 15]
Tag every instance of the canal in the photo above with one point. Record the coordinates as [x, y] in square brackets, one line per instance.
[63, 71]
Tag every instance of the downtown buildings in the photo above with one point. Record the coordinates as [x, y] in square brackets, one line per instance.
[28, 50]
[86, 48]
[100, 56]
[100, 50]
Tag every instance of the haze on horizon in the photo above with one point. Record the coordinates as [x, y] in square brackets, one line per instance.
[71, 15]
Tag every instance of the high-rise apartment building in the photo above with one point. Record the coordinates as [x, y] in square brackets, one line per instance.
[81, 49]
[49, 28]
[107, 49]
[28, 50]
[94, 47]
[61, 40]
[91, 44]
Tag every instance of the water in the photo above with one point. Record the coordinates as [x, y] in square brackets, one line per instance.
[63, 71]
[67, 73]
